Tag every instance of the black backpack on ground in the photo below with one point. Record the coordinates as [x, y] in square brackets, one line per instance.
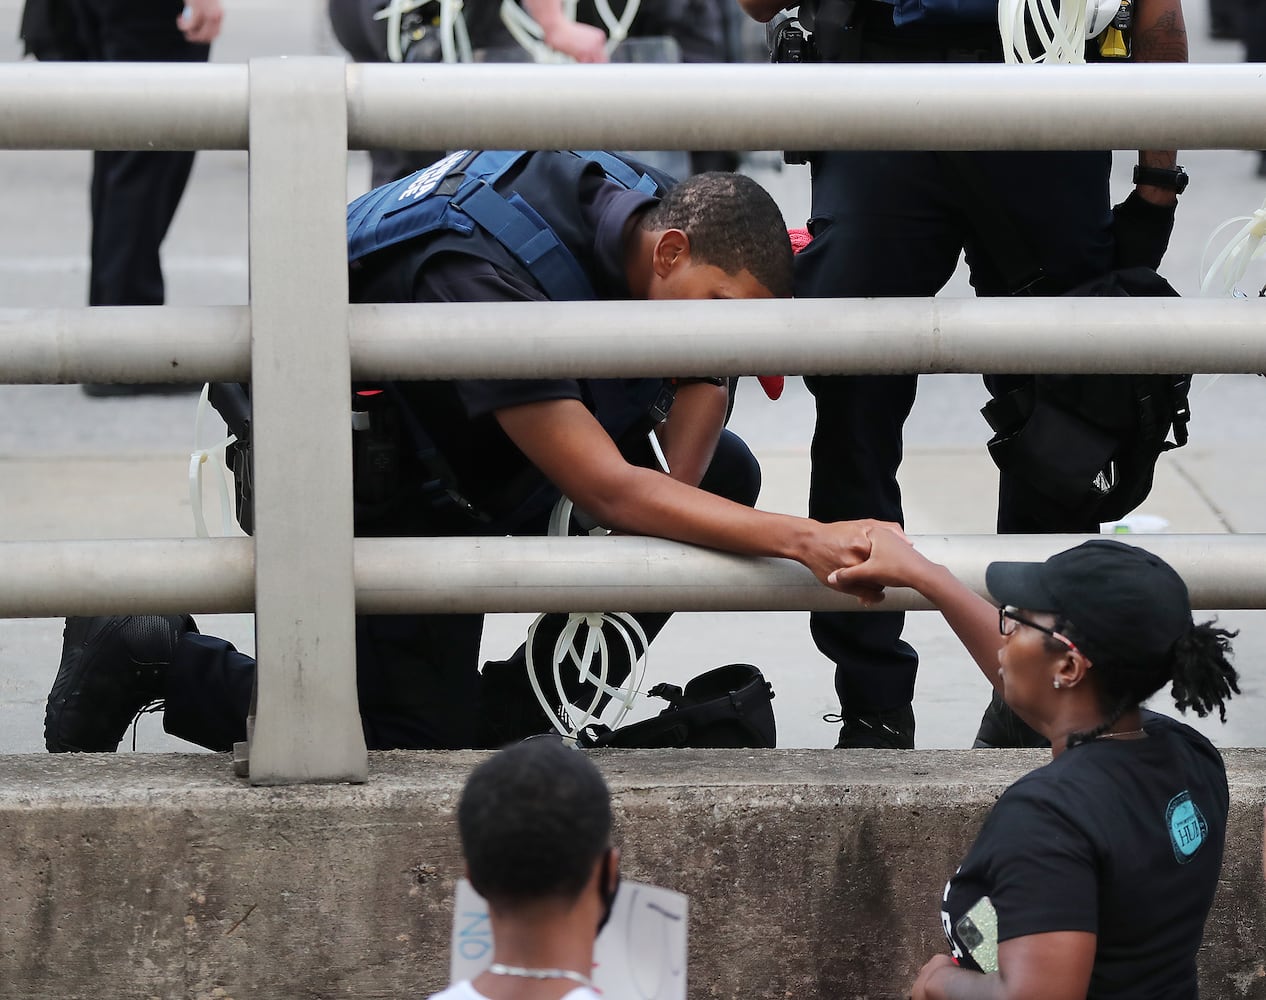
[726, 707]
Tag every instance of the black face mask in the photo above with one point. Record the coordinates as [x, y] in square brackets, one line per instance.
[607, 895]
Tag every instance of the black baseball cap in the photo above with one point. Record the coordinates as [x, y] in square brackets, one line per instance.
[1125, 602]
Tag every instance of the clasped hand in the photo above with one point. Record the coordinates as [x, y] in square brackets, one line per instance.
[885, 557]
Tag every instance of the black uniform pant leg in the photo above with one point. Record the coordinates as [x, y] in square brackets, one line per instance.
[208, 695]
[510, 707]
[1068, 230]
[134, 198]
[1254, 33]
[1060, 203]
[881, 228]
[416, 675]
[134, 194]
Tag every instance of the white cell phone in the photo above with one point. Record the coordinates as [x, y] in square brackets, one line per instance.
[977, 929]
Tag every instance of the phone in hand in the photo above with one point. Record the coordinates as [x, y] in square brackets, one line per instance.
[977, 929]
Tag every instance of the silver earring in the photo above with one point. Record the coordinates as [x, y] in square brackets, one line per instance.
[1057, 683]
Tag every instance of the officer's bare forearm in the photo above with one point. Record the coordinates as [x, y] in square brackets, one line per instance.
[562, 439]
[689, 435]
[1159, 34]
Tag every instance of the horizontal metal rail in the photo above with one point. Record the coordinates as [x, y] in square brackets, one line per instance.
[905, 106]
[625, 339]
[164, 106]
[126, 343]
[51, 579]
[123, 106]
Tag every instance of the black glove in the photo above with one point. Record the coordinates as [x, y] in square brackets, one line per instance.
[1141, 231]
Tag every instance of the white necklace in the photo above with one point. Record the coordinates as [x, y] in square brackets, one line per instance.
[1123, 733]
[497, 969]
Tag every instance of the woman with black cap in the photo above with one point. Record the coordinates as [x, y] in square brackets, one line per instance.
[1093, 875]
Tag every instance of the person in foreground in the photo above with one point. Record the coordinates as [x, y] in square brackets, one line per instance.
[1092, 875]
[535, 824]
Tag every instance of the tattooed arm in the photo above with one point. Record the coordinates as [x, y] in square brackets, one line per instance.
[1159, 35]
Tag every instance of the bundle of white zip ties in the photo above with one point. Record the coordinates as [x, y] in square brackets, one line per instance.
[584, 642]
[1223, 275]
[1060, 29]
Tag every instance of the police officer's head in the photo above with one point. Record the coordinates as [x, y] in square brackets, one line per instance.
[535, 824]
[717, 235]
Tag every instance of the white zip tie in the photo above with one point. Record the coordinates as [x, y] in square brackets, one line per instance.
[595, 648]
[1228, 267]
[1060, 31]
[454, 38]
[199, 457]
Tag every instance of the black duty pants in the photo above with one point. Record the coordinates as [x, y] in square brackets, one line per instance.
[417, 675]
[893, 224]
[134, 193]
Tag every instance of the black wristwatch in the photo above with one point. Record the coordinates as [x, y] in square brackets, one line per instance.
[1170, 178]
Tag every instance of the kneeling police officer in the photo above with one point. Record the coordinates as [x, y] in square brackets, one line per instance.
[481, 456]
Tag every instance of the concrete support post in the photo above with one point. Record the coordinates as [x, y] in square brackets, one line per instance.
[307, 726]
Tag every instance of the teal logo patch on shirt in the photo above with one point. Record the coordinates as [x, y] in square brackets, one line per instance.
[1187, 827]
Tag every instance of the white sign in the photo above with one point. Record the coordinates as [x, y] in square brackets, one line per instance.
[640, 954]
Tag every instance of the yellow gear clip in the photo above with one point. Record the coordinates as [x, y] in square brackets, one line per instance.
[1114, 41]
[1112, 45]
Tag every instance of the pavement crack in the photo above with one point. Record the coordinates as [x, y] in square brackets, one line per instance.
[1201, 492]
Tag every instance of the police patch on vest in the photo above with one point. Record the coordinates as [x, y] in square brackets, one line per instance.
[1187, 827]
[428, 180]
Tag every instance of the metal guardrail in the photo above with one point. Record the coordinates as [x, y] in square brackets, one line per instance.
[805, 336]
[300, 342]
[392, 576]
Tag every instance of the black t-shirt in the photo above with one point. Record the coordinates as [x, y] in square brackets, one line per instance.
[1119, 838]
[459, 414]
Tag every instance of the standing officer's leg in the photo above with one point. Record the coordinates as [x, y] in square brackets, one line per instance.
[135, 193]
[880, 229]
[1068, 232]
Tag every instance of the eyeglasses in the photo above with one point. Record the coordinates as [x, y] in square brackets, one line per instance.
[1008, 620]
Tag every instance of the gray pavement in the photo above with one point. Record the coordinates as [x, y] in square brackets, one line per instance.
[73, 467]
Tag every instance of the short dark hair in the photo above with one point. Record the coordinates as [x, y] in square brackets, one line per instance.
[733, 224]
[534, 820]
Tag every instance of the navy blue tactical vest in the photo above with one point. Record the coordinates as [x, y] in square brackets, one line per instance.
[471, 201]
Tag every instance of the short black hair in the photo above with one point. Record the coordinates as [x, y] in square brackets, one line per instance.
[534, 820]
[733, 224]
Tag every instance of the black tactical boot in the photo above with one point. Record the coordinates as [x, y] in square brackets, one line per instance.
[112, 667]
[888, 730]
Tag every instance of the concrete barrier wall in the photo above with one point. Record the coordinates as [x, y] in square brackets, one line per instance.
[811, 874]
